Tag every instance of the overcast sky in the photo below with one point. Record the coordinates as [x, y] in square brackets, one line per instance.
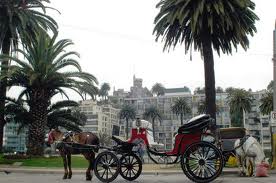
[114, 38]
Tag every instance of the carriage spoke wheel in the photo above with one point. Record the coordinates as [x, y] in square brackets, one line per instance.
[131, 166]
[106, 166]
[202, 162]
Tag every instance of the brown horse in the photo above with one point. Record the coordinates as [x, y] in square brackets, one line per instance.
[74, 143]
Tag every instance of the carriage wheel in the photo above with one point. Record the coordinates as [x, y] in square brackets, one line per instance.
[248, 167]
[131, 167]
[202, 162]
[106, 166]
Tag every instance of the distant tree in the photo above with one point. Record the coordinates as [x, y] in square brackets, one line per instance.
[187, 89]
[267, 103]
[240, 101]
[152, 113]
[219, 89]
[158, 89]
[181, 107]
[128, 113]
[229, 90]
[103, 92]
[201, 107]
[199, 90]
[270, 86]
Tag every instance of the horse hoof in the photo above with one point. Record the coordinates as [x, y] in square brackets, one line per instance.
[88, 178]
[69, 176]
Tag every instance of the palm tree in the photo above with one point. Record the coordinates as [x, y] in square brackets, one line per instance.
[267, 103]
[128, 113]
[158, 89]
[152, 113]
[181, 107]
[105, 88]
[18, 18]
[59, 114]
[206, 25]
[201, 107]
[240, 101]
[42, 75]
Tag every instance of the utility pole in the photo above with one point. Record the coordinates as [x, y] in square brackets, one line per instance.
[272, 126]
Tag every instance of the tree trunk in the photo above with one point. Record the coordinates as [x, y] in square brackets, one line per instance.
[126, 130]
[5, 50]
[181, 118]
[153, 130]
[210, 89]
[38, 110]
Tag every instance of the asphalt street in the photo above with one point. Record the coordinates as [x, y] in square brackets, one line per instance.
[176, 178]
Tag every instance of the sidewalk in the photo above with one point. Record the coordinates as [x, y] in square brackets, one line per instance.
[147, 170]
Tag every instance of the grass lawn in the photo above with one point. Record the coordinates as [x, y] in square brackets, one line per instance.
[77, 161]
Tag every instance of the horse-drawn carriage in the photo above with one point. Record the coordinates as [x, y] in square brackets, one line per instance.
[201, 154]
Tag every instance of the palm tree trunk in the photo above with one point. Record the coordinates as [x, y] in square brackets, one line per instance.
[5, 50]
[38, 110]
[181, 118]
[210, 90]
[153, 130]
[126, 130]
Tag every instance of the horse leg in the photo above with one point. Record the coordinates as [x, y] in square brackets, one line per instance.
[91, 163]
[240, 164]
[65, 166]
[88, 156]
[69, 166]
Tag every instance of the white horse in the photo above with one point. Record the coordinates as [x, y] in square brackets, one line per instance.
[249, 149]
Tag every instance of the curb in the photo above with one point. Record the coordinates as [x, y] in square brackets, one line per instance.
[34, 170]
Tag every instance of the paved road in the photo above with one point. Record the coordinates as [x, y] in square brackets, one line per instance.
[56, 178]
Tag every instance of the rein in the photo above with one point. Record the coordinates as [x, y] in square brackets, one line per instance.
[242, 141]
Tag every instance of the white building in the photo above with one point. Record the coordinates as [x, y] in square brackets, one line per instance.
[100, 118]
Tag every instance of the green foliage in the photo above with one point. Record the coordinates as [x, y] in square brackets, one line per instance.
[77, 161]
[60, 114]
[181, 107]
[266, 103]
[152, 113]
[128, 113]
[239, 101]
[19, 19]
[42, 74]
[158, 89]
[103, 92]
[227, 23]
[199, 90]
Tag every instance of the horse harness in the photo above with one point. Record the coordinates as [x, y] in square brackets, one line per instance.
[242, 141]
[69, 143]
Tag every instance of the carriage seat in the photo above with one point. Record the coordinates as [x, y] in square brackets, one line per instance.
[121, 142]
[196, 123]
[230, 135]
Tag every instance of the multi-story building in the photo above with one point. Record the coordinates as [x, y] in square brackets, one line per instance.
[14, 141]
[258, 124]
[100, 118]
